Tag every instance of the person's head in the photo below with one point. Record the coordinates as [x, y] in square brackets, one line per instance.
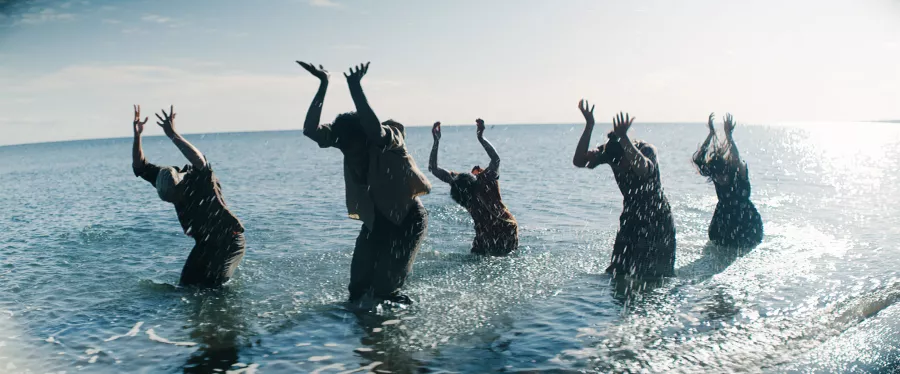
[462, 188]
[349, 133]
[477, 170]
[168, 182]
[397, 125]
[611, 151]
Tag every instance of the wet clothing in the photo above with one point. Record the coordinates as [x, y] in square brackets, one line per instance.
[645, 243]
[382, 188]
[389, 181]
[205, 217]
[736, 222]
[496, 230]
[384, 256]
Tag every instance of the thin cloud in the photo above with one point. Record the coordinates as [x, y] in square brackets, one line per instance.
[44, 16]
[156, 18]
[325, 3]
[112, 21]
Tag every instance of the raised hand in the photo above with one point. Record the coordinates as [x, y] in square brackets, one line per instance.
[712, 117]
[587, 113]
[621, 124]
[167, 121]
[138, 124]
[436, 131]
[319, 72]
[479, 127]
[729, 124]
[356, 76]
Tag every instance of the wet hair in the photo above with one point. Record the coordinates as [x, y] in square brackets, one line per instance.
[167, 181]
[396, 125]
[712, 163]
[462, 188]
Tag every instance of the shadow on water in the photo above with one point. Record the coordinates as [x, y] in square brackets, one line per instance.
[714, 259]
[217, 324]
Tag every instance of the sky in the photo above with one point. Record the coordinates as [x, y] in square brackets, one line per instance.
[73, 69]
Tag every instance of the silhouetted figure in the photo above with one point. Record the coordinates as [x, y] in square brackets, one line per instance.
[197, 196]
[382, 188]
[496, 230]
[736, 222]
[645, 243]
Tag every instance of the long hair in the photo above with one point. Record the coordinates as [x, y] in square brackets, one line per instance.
[711, 161]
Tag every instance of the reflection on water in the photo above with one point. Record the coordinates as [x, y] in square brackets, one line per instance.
[216, 324]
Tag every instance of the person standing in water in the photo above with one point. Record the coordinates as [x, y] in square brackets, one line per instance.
[383, 185]
[197, 196]
[496, 230]
[736, 222]
[645, 243]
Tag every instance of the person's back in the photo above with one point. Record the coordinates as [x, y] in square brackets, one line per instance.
[496, 230]
[383, 185]
[645, 242]
[196, 194]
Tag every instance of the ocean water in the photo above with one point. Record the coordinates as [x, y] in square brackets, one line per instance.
[89, 256]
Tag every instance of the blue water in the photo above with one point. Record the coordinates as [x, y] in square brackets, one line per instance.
[89, 254]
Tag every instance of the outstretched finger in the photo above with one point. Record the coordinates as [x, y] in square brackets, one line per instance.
[592, 109]
[159, 118]
[145, 120]
[171, 111]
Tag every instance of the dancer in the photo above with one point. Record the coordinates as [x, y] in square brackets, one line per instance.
[197, 196]
[383, 185]
[645, 243]
[496, 230]
[736, 222]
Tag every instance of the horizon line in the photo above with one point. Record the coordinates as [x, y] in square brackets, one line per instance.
[449, 125]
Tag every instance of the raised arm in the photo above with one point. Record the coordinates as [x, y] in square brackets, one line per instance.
[167, 122]
[639, 164]
[700, 155]
[367, 118]
[494, 166]
[137, 151]
[314, 114]
[582, 156]
[732, 156]
[441, 174]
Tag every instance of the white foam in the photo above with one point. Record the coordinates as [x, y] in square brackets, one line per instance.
[133, 332]
[157, 338]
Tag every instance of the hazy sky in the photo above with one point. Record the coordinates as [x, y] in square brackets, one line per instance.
[73, 69]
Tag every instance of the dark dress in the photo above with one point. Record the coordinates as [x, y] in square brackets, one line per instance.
[645, 243]
[496, 230]
[218, 234]
[736, 222]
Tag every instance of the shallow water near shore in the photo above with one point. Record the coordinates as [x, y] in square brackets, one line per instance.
[89, 256]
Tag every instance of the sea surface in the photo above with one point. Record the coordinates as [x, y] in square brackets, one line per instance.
[89, 257]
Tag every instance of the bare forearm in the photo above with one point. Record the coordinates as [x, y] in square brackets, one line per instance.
[314, 114]
[633, 157]
[369, 121]
[137, 152]
[188, 150]
[492, 153]
[581, 150]
[441, 174]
